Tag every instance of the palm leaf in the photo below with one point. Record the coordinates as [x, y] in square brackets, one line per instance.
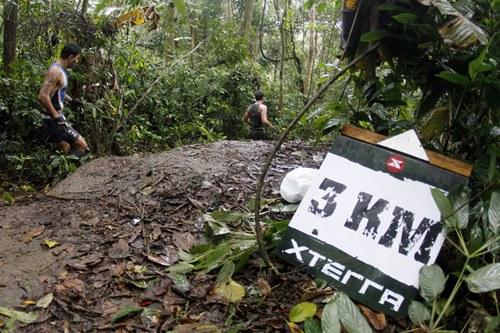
[460, 31]
[103, 4]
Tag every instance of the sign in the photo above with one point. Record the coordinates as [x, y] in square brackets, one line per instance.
[369, 223]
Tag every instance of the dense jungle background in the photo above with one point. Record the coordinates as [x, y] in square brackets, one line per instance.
[155, 75]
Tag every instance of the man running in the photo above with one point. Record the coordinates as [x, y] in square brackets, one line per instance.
[256, 116]
[52, 96]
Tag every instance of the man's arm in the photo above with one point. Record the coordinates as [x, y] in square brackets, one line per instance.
[49, 87]
[263, 116]
[246, 116]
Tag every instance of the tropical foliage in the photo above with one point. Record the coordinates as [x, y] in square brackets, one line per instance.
[185, 72]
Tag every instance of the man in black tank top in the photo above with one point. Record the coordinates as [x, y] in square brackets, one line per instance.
[52, 96]
[256, 117]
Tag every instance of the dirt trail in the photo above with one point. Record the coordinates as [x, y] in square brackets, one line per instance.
[114, 212]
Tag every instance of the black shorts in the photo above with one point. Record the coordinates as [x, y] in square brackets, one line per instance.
[59, 133]
[257, 134]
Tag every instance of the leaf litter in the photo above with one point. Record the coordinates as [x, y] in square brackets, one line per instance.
[168, 270]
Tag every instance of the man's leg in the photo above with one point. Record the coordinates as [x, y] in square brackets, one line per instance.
[79, 148]
[64, 147]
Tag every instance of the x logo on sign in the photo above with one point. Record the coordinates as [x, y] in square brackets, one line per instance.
[395, 163]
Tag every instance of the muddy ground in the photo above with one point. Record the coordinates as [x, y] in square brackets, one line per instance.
[118, 213]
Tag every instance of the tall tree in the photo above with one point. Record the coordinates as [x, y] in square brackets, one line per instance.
[9, 33]
[170, 26]
[312, 50]
[247, 17]
[85, 6]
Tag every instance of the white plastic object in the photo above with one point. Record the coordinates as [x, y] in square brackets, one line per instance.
[295, 184]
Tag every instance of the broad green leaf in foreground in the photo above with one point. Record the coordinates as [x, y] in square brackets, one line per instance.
[418, 313]
[350, 316]
[125, 311]
[485, 279]
[312, 325]
[330, 321]
[431, 281]
[494, 212]
[302, 311]
[445, 207]
[460, 201]
[23, 317]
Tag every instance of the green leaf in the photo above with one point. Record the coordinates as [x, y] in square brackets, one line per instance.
[8, 198]
[23, 317]
[181, 6]
[309, 3]
[215, 257]
[436, 123]
[181, 268]
[351, 318]
[312, 325]
[485, 279]
[431, 281]
[225, 273]
[445, 208]
[180, 281]
[45, 301]
[418, 313]
[460, 201]
[302, 311]
[494, 212]
[330, 320]
[477, 66]
[405, 18]
[374, 36]
[125, 311]
[454, 78]
[493, 324]
[232, 291]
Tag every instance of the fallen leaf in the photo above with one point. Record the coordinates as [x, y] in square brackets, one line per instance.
[50, 243]
[29, 235]
[184, 241]
[23, 317]
[264, 287]
[232, 291]
[377, 319]
[302, 311]
[45, 301]
[196, 203]
[119, 250]
[29, 302]
[125, 311]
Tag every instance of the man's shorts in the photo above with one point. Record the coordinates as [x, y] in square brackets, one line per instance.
[257, 133]
[59, 133]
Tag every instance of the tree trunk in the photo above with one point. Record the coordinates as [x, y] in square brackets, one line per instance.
[283, 36]
[247, 18]
[170, 26]
[85, 6]
[9, 34]
[312, 51]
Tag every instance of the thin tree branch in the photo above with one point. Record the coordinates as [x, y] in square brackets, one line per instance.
[267, 164]
[146, 93]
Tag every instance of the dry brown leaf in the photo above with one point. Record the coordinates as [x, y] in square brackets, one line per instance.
[30, 234]
[264, 287]
[376, 319]
[184, 241]
[119, 250]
